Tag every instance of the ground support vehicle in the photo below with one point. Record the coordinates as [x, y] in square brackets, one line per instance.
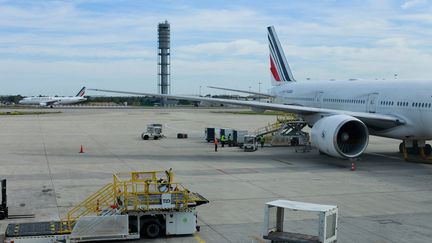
[211, 133]
[134, 205]
[250, 143]
[275, 218]
[286, 131]
[3, 205]
[154, 131]
[239, 137]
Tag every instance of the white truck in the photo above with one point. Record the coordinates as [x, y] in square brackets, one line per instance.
[154, 131]
[136, 204]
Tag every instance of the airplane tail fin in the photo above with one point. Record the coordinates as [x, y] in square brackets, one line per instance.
[81, 92]
[279, 67]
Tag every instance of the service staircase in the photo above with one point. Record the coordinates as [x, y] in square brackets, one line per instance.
[285, 125]
[134, 191]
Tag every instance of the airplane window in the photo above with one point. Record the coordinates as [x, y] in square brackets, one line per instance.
[429, 105]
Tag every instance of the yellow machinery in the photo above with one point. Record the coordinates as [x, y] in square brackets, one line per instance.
[134, 192]
[286, 131]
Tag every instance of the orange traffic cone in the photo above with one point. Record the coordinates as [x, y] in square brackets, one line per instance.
[353, 166]
[81, 149]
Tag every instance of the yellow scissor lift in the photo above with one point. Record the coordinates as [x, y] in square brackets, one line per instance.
[152, 203]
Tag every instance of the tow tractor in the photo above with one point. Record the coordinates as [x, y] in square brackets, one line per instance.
[154, 131]
[134, 205]
[250, 143]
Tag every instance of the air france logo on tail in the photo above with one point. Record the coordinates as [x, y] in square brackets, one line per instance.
[279, 67]
[81, 92]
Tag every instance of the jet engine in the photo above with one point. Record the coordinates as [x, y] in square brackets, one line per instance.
[340, 136]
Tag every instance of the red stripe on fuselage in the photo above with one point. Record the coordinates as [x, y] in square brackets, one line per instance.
[273, 70]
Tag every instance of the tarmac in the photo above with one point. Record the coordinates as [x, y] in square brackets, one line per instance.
[385, 200]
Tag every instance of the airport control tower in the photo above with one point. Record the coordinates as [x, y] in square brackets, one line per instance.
[164, 60]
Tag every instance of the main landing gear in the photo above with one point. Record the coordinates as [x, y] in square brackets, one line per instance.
[415, 147]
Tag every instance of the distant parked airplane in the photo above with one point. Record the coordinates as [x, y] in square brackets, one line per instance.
[49, 101]
[342, 114]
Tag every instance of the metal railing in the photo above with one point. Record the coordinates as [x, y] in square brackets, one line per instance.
[137, 191]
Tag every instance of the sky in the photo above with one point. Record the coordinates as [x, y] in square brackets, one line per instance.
[56, 47]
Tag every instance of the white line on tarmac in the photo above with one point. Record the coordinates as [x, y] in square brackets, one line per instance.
[386, 156]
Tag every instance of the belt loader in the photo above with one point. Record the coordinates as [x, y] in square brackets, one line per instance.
[134, 205]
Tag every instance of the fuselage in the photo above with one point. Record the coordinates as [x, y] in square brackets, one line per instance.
[409, 100]
[36, 100]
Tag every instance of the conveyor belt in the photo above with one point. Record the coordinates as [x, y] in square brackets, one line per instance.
[33, 229]
[197, 198]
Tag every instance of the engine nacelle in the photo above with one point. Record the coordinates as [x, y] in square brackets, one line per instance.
[340, 136]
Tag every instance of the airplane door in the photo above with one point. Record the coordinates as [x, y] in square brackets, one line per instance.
[372, 102]
[319, 99]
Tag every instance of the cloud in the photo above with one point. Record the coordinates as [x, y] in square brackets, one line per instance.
[413, 4]
[232, 48]
[114, 45]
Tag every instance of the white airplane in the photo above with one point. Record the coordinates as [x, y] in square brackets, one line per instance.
[343, 114]
[54, 100]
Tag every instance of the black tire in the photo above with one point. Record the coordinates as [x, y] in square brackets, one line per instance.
[428, 149]
[155, 137]
[2, 215]
[145, 137]
[151, 229]
[294, 142]
[401, 145]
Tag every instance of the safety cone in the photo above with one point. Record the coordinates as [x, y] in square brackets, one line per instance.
[353, 166]
[81, 149]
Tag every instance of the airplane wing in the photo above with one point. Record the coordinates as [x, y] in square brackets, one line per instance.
[243, 91]
[376, 121]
